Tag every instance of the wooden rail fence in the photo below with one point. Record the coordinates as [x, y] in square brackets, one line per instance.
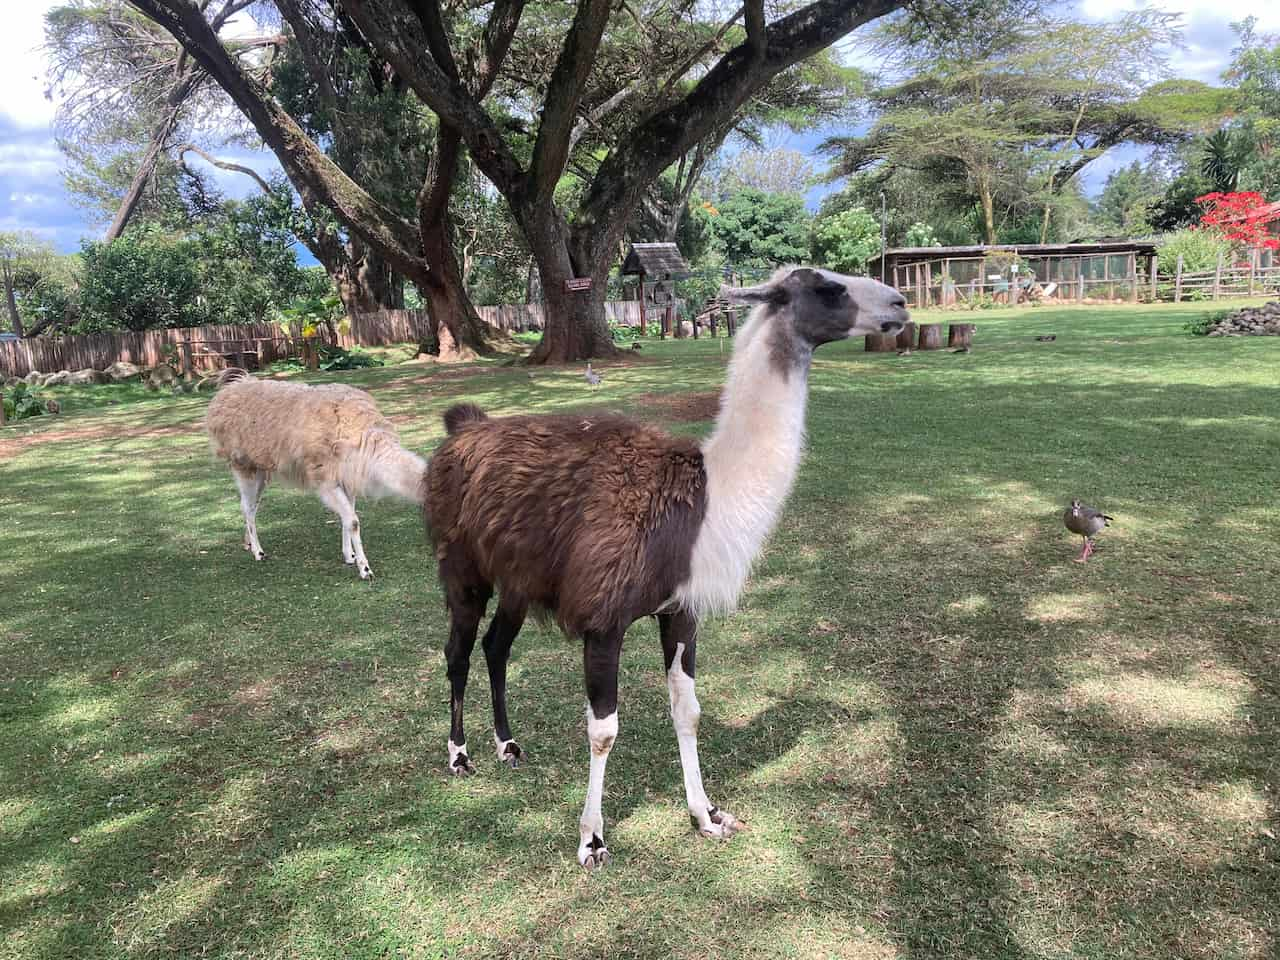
[149, 348]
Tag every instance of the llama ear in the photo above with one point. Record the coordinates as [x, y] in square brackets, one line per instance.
[763, 293]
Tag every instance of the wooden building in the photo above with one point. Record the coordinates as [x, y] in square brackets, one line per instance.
[658, 266]
[1013, 273]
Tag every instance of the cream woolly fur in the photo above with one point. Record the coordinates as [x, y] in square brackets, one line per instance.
[329, 439]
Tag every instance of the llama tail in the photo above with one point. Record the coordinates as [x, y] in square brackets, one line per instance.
[460, 414]
[380, 467]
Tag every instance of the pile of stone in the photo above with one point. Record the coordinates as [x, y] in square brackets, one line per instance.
[119, 372]
[1263, 321]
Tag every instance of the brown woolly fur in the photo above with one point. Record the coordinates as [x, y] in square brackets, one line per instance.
[591, 518]
[314, 437]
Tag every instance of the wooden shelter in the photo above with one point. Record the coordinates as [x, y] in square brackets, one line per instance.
[1011, 273]
[658, 265]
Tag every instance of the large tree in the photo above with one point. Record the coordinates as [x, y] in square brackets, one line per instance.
[1018, 112]
[452, 70]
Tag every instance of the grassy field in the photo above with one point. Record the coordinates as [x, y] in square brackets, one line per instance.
[947, 738]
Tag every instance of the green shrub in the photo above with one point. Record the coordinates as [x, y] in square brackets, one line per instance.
[336, 358]
[1199, 250]
[1201, 325]
[22, 403]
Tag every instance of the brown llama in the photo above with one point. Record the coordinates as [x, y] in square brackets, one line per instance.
[329, 439]
[600, 521]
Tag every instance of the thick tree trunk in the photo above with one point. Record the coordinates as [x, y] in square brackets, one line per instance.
[576, 327]
[448, 303]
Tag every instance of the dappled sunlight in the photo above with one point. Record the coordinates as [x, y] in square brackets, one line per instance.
[1067, 607]
[972, 605]
[170, 904]
[1211, 698]
[1021, 737]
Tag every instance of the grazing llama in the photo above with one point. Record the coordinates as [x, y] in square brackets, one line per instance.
[329, 439]
[600, 521]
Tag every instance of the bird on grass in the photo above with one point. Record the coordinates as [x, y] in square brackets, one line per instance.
[1087, 522]
[592, 377]
[904, 352]
[960, 350]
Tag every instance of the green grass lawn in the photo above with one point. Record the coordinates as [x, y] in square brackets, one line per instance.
[947, 738]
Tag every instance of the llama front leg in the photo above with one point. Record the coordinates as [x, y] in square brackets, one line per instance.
[497, 651]
[601, 653]
[348, 555]
[336, 499]
[251, 484]
[679, 640]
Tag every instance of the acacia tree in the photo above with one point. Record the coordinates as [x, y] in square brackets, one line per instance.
[1022, 109]
[525, 162]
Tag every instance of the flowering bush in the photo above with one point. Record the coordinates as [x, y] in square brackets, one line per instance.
[1238, 217]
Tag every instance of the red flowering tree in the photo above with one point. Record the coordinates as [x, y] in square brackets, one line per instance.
[1239, 217]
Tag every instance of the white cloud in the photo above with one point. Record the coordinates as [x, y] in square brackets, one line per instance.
[22, 65]
[1206, 26]
[30, 160]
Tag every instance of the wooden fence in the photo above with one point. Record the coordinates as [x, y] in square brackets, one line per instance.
[147, 348]
[407, 326]
[151, 347]
[1225, 281]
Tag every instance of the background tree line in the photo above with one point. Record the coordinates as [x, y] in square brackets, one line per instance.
[447, 154]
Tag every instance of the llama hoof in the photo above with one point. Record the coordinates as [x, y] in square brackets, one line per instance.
[460, 764]
[366, 573]
[593, 855]
[720, 824]
[509, 752]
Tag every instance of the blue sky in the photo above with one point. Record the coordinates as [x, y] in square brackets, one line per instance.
[32, 196]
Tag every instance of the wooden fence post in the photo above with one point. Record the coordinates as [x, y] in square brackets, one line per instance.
[1253, 259]
[1153, 267]
[1217, 277]
[1133, 278]
[187, 372]
[1177, 282]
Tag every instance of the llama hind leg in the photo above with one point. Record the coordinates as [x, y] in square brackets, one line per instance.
[600, 661]
[466, 609]
[336, 499]
[251, 484]
[679, 641]
[498, 638]
[348, 555]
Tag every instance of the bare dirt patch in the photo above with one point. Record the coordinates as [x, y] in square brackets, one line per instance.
[678, 407]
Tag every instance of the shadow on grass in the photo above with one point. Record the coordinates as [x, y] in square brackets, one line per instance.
[947, 739]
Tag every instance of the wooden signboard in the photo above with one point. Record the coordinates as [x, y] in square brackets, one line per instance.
[577, 283]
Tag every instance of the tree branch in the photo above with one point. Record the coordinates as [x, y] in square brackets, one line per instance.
[400, 40]
[564, 93]
[657, 142]
[186, 148]
[377, 225]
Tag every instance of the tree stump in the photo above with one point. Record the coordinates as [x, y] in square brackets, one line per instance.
[930, 336]
[960, 334]
[907, 337]
[881, 342]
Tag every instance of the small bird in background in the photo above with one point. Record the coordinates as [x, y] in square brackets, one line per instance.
[592, 377]
[904, 352]
[960, 350]
[1087, 522]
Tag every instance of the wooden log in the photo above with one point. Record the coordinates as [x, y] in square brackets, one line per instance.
[881, 342]
[930, 336]
[960, 334]
[907, 336]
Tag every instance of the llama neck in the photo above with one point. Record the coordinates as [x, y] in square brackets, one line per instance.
[751, 461]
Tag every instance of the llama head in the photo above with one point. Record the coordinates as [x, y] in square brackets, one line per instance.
[813, 307]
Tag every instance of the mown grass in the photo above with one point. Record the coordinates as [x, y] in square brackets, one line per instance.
[948, 739]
